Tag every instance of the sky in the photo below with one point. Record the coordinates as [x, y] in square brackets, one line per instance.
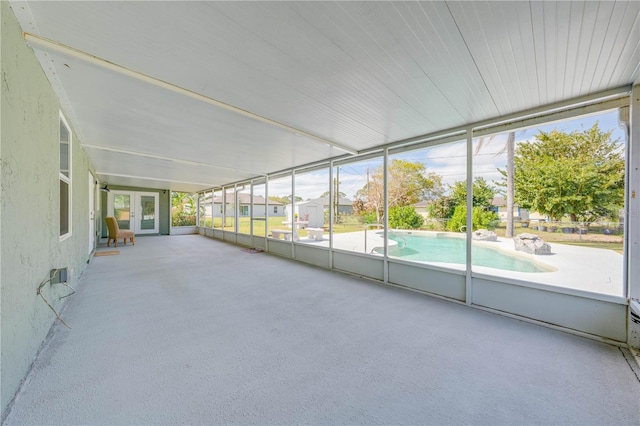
[448, 161]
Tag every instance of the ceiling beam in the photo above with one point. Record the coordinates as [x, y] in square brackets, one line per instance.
[101, 173]
[46, 44]
[174, 160]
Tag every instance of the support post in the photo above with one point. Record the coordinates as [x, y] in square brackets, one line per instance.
[469, 228]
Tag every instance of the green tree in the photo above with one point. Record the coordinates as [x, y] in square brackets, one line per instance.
[404, 217]
[480, 219]
[408, 183]
[284, 200]
[339, 194]
[483, 193]
[578, 174]
[442, 207]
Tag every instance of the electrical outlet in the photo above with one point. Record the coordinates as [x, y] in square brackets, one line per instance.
[58, 276]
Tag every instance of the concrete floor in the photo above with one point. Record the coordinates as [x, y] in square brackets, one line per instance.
[187, 329]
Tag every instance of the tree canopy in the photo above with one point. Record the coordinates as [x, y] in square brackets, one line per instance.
[445, 206]
[326, 194]
[483, 193]
[579, 174]
[408, 183]
[284, 200]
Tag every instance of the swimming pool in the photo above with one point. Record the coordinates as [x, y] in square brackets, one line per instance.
[445, 249]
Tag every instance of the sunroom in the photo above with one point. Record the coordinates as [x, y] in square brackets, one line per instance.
[247, 114]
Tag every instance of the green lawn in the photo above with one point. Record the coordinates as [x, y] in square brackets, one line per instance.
[244, 225]
[593, 238]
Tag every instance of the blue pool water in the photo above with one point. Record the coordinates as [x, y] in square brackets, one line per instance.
[453, 250]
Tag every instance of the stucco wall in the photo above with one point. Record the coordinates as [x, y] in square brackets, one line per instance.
[30, 245]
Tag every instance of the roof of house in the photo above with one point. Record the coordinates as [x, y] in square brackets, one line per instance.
[500, 201]
[341, 201]
[246, 199]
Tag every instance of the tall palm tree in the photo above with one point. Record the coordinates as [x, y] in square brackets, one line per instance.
[510, 232]
[509, 147]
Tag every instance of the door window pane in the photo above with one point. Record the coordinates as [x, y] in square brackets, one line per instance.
[148, 213]
[122, 210]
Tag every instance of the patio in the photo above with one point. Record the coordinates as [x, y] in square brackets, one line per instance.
[187, 329]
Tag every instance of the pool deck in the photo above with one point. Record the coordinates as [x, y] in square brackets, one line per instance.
[580, 268]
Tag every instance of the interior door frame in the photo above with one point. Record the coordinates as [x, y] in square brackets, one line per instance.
[92, 212]
[135, 206]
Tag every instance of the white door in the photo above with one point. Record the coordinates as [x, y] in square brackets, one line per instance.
[147, 207]
[137, 211]
[92, 212]
[120, 206]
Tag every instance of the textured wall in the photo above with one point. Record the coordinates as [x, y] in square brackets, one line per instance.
[29, 206]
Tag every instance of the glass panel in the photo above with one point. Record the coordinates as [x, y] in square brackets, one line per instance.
[205, 210]
[359, 227]
[312, 206]
[279, 198]
[122, 210]
[259, 209]
[244, 207]
[565, 205]
[229, 210]
[148, 214]
[422, 201]
[64, 207]
[216, 208]
[183, 209]
[201, 212]
[64, 149]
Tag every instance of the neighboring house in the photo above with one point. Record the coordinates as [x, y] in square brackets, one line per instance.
[311, 211]
[422, 208]
[275, 208]
[345, 205]
[499, 206]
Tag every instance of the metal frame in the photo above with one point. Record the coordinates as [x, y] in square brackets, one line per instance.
[488, 285]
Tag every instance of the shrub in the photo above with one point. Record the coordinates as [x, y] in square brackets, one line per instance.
[404, 217]
[481, 219]
[183, 219]
[370, 218]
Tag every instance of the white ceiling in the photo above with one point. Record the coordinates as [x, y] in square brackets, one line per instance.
[190, 95]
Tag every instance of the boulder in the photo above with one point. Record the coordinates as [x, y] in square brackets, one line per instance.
[484, 235]
[531, 243]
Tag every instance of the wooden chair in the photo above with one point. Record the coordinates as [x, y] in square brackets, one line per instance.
[115, 233]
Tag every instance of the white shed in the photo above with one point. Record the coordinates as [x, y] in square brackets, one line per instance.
[311, 211]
